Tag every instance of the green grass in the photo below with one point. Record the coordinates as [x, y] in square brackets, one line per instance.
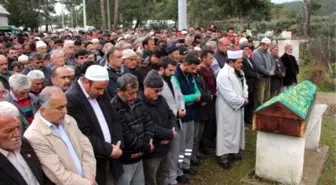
[212, 174]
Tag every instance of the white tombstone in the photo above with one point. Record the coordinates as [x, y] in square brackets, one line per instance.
[280, 157]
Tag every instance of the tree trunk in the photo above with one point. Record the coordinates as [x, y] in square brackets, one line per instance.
[116, 14]
[103, 13]
[137, 24]
[108, 14]
[46, 23]
[307, 14]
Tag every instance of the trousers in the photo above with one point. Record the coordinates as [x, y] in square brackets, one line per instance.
[187, 142]
[156, 170]
[133, 174]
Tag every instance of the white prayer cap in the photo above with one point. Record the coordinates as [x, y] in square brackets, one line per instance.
[120, 38]
[68, 43]
[197, 48]
[184, 32]
[97, 73]
[95, 41]
[37, 38]
[40, 44]
[235, 54]
[128, 53]
[266, 41]
[128, 37]
[23, 58]
[243, 41]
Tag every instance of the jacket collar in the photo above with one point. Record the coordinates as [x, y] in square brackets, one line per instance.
[45, 126]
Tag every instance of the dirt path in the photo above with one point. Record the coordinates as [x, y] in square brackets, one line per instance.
[326, 98]
[329, 99]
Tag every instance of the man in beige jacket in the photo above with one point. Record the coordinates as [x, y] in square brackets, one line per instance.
[66, 155]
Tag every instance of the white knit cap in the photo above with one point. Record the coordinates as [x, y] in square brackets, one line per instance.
[97, 73]
[128, 53]
[40, 44]
[197, 48]
[184, 32]
[23, 58]
[266, 41]
[235, 54]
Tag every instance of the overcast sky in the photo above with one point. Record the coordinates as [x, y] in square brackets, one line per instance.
[58, 7]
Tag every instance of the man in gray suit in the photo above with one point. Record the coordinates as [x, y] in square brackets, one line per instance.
[175, 101]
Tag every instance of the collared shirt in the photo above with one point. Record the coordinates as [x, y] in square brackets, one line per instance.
[61, 133]
[99, 114]
[248, 60]
[13, 96]
[21, 166]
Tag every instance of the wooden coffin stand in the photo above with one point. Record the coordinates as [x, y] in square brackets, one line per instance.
[288, 126]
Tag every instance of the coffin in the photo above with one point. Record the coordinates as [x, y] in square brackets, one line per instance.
[286, 113]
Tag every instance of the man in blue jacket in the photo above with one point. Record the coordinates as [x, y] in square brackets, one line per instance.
[185, 80]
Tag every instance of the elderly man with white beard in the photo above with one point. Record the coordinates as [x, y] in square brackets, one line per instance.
[232, 95]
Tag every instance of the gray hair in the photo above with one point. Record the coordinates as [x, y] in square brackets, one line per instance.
[128, 46]
[19, 82]
[8, 109]
[211, 43]
[36, 75]
[45, 95]
[56, 52]
[127, 80]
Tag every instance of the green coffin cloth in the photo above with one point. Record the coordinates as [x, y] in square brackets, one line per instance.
[298, 99]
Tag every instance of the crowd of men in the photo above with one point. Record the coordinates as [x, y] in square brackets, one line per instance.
[130, 107]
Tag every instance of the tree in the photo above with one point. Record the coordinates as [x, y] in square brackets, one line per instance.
[108, 14]
[307, 14]
[116, 14]
[103, 13]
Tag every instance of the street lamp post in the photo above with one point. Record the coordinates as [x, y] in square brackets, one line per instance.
[182, 14]
[84, 13]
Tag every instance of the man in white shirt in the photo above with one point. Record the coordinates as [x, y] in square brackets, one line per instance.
[89, 104]
[19, 164]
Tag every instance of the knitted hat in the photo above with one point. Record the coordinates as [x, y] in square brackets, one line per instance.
[171, 48]
[153, 80]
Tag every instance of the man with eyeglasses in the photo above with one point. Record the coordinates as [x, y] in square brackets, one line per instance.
[157, 164]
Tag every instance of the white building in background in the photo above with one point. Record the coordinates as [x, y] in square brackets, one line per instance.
[3, 16]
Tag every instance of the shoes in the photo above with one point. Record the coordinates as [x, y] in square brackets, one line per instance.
[207, 151]
[237, 157]
[191, 171]
[226, 164]
[183, 179]
[196, 162]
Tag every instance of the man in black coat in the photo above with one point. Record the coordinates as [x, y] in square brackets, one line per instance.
[157, 164]
[251, 75]
[89, 104]
[19, 164]
[292, 68]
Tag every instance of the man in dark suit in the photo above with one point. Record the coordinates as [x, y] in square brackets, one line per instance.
[291, 65]
[251, 75]
[96, 118]
[19, 164]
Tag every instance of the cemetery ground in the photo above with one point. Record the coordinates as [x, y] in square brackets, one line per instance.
[212, 174]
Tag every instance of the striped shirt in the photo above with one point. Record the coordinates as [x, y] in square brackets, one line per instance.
[209, 78]
[27, 108]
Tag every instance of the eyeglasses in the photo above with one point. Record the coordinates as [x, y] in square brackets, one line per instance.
[157, 91]
[4, 92]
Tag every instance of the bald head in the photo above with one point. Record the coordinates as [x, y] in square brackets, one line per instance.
[224, 44]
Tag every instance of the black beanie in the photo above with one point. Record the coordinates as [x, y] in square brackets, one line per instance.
[153, 80]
